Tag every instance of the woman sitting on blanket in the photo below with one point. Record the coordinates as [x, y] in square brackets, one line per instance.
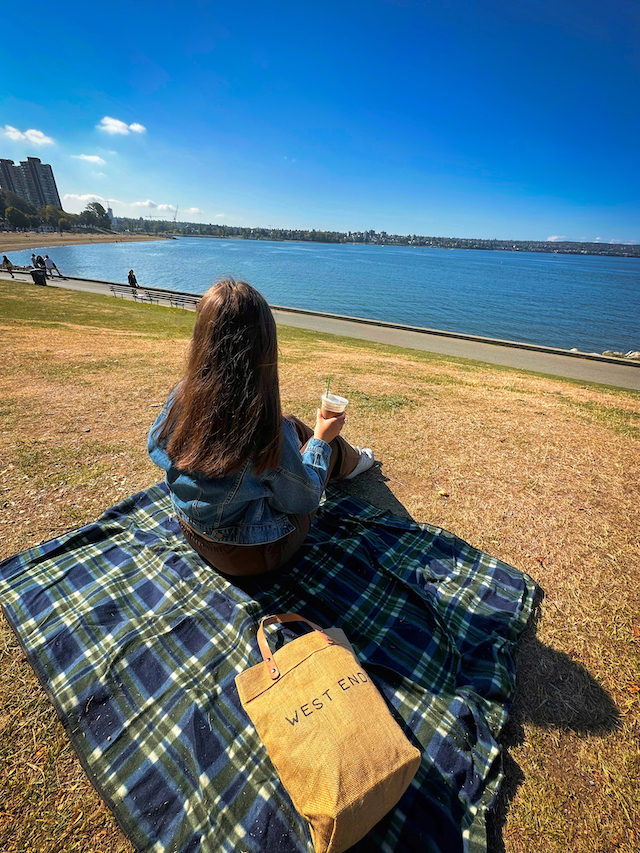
[245, 481]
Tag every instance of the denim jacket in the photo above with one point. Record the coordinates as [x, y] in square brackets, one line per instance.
[245, 508]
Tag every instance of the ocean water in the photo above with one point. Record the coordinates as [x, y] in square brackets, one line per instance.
[588, 302]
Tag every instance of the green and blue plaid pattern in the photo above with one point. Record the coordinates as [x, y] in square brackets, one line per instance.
[138, 643]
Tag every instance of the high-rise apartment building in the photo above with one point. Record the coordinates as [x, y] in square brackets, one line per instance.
[32, 180]
[12, 178]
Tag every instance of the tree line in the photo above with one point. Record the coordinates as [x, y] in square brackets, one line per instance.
[23, 215]
[377, 238]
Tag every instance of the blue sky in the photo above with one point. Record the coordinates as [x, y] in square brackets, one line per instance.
[486, 119]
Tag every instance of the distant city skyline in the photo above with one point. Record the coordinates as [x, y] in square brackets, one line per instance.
[488, 121]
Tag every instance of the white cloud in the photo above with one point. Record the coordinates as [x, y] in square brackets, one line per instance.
[76, 202]
[35, 137]
[90, 158]
[555, 239]
[114, 126]
[85, 197]
[13, 132]
[99, 174]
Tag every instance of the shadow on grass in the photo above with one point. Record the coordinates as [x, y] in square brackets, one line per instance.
[552, 691]
[372, 487]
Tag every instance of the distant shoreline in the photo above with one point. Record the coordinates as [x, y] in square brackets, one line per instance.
[608, 250]
[12, 241]
[15, 241]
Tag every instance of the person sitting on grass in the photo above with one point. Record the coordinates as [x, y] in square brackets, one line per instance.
[245, 482]
[7, 265]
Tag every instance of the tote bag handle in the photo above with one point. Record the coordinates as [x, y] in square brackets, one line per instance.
[263, 643]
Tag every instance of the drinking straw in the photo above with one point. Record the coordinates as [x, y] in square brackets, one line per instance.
[328, 384]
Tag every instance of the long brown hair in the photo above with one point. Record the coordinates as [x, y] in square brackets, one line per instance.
[227, 409]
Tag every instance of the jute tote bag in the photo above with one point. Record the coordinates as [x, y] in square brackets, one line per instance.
[340, 754]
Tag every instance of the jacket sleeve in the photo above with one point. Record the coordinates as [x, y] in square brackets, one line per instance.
[157, 451]
[297, 485]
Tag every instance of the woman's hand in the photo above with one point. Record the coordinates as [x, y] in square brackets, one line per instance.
[328, 428]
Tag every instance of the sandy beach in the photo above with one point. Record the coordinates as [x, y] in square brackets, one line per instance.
[11, 241]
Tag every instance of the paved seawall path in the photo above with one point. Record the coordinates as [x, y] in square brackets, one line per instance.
[588, 367]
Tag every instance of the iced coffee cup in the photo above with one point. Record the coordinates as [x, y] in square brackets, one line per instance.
[333, 405]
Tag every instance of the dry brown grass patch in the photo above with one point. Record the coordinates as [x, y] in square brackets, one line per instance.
[540, 472]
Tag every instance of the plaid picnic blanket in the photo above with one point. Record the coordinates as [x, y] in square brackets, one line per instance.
[137, 644]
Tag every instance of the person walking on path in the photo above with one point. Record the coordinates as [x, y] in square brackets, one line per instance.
[133, 281]
[245, 481]
[7, 265]
[50, 266]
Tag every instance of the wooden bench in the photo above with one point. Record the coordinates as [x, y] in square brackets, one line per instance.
[175, 300]
[180, 300]
[139, 293]
[123, 290]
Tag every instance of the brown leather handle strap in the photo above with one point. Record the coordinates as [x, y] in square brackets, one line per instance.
[263, 643]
